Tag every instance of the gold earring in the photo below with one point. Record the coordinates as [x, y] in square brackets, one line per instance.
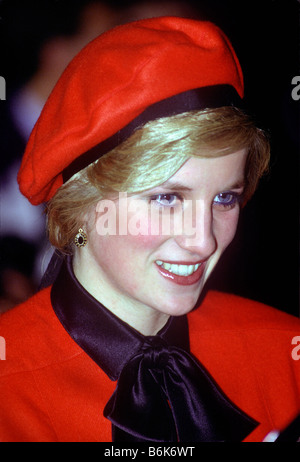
[80, 238]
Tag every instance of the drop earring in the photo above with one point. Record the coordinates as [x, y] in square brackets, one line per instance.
[80, 238]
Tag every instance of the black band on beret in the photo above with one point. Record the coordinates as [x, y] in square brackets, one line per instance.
[198, 99]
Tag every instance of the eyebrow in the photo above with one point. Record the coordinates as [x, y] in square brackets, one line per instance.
[238, 185]
[176, 186]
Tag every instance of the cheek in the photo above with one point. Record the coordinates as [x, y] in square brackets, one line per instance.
[121, 251]
[125, 260]
[144, 231]
[225, 228]
[141, 246]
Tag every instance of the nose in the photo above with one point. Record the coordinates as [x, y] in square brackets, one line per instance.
[197, 234]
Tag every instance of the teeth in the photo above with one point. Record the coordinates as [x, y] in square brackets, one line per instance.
[180, 270]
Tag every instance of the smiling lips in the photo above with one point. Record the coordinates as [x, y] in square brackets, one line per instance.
[181, 274]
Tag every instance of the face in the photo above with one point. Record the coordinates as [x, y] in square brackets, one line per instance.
[164, 242]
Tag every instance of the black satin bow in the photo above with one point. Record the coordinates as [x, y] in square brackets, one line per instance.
[164, 395]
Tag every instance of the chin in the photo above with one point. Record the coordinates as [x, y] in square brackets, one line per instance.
[179, 306]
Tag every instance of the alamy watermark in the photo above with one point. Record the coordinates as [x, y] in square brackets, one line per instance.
[2, 349]
[2, 88]
[296, 89]
[129, 216]
[296, 349]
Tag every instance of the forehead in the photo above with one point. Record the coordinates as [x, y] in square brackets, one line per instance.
[224, 171]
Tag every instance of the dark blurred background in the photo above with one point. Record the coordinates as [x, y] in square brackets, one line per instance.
[39, 38]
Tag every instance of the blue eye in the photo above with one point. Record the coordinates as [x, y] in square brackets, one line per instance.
[226, 199]
[166, 200]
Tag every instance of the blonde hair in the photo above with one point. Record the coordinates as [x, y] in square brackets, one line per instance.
[151, 156]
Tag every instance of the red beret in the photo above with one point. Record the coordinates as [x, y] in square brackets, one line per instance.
[135, 72]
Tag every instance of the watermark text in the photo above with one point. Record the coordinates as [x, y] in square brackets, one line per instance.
[2, 349]
[129, 216]
[296, 89]
[296, 349]
[2, 88]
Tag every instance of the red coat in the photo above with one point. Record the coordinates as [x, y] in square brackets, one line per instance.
[51, 390]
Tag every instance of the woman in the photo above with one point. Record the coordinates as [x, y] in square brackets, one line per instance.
[145, 158]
